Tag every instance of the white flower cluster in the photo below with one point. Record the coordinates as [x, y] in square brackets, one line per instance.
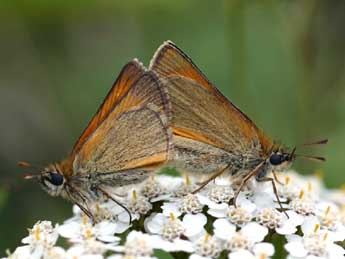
[167, 216]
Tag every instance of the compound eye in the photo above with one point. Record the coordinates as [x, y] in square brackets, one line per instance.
[276, 159]
[56, 178]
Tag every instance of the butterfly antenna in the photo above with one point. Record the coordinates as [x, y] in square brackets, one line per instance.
[313, 158]
[27, 164]
[24, 164]
[29, 176]
[292, 154]
[319, 142]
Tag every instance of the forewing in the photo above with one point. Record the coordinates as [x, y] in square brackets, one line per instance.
[171, 62]
[129, 74]
[198, 115]
[135, 134]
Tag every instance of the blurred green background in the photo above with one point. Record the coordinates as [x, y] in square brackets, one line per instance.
[281, 62]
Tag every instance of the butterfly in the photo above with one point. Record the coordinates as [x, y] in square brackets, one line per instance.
[125, 141]
[210, 134]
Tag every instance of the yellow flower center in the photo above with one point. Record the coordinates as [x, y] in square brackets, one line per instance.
[172, 216]
[319, 174]
[187, 179]
[327, 211]
[135, 196]
[316, 228]
[88, 233]
[207, 237]
[37, 233]
[309, 187]
[301, 194]
[84, 219]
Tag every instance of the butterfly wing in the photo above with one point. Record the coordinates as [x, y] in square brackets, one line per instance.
[199, 110]
[128, 75]
[123, 96]
[134, 134]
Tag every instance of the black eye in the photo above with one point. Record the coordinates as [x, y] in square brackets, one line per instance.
[276, 159]
[286, 157]
[56, 178]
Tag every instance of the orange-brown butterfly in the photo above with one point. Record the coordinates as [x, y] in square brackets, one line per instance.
[126, 140]
[210, 134]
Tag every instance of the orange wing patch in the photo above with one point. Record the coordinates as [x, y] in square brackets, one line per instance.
[193, 135]
[147, 162]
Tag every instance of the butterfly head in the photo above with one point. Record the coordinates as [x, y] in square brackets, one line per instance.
[281, 159]
[52, 180]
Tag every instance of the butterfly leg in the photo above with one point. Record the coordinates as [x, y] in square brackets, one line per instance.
[73, 193]
[105, 193]
[214, 176]
[275, 176]
[246, 179]
[268, 179]
[86, 212]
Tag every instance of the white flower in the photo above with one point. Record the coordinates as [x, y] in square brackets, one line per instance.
[107, 211]
[192, 226]
[40, 242]
[260, 251]
[289, 225]
[329, 217]
[244, 239]
[303, 204]
[79, 231]
[185, 187]
[313, 243]
[281, 223]
[220, 194]
[138, 205]
[270, 218]
[216, 197]
[190, 204]
[337, 233]
[337, 195]
[152, 188]
[179, 225]
[240, 215]
[42, 233]
[169, 230]
[138, 245]
[88, 249]
[207, 247]
[171, 207]
[24, 252]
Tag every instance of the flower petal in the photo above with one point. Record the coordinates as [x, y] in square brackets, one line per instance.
[255, 231]
[296, 249]
[194, 224]
[263, 248]
[241, 254]
[153, 224]
[223, 229]
[171, 207]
